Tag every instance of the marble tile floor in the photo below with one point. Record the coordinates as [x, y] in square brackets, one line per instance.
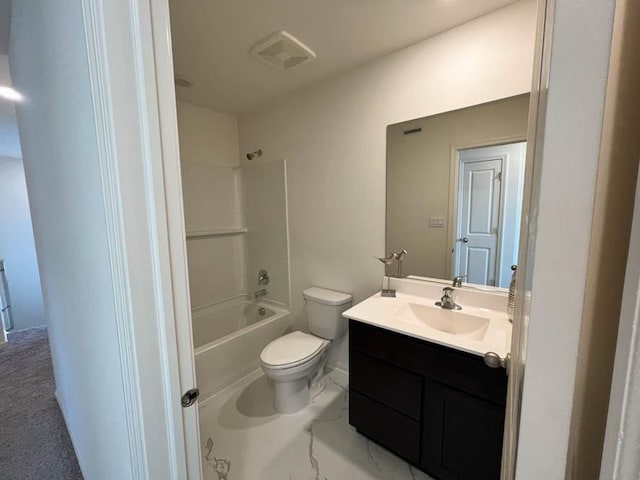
[245, 439]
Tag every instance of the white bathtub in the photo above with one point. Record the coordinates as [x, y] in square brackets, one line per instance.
[229, 337]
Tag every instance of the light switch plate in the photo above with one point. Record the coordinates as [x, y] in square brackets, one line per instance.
[436, 222]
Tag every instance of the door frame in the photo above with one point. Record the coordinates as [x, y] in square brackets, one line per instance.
[565, 135]
[454, 174]
[161, 77]
[131, 75]
[581, 41]
[530, 199]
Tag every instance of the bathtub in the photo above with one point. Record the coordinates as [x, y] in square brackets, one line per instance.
[228, 338]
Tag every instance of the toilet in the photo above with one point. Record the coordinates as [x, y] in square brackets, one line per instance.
[296, 361]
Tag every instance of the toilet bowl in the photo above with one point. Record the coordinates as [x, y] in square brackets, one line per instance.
[292, 361]
[296, 360]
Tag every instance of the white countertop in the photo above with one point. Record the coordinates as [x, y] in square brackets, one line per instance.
[385, 312]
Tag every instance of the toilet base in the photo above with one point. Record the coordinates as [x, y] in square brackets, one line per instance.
[291, 397]
[316, 388]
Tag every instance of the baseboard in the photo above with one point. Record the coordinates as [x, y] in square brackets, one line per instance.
[66, 424]
[342, 373]
[36, 327]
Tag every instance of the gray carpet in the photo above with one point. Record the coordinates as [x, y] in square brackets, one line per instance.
[34, 443]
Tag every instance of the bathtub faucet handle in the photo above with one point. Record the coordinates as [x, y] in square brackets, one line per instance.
[263, 277]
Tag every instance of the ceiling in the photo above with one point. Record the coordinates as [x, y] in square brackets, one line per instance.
[211, 41]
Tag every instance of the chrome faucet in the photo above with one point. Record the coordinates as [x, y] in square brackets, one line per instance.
[263, 279]
[457, 280]
[446, 301]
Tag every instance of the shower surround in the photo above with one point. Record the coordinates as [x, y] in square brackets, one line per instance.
[236, 225]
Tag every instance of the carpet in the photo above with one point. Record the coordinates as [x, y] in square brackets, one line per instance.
[34, 442]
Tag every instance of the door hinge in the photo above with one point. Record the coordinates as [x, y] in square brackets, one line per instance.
[190, 397]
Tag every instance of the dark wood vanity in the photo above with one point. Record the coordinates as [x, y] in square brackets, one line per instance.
[440, 409]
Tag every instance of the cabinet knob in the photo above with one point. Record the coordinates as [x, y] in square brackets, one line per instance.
[493, 360]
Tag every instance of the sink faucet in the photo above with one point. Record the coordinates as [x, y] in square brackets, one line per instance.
[457, 280]
[446, 301]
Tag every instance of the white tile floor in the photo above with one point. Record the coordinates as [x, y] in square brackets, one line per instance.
[245, 439]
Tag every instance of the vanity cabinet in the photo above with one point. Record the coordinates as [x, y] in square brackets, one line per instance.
[440, 409]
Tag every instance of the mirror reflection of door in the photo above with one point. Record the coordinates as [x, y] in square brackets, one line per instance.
[489, 203]
[423, 174]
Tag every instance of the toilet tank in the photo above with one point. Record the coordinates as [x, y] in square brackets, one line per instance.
[324, 311]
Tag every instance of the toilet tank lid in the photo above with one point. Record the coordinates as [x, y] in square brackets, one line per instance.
[326, 297]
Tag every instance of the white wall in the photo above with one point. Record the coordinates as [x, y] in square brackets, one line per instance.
[207, 136]
[604, 300]
[17, 246]
[9, 139]
[94, 168]
[333, 137]
[58, 136]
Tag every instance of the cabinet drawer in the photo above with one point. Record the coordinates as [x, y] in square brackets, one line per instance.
[389, 385]
[469, 374]
[461, 370]
[398, 433]
[385, 345]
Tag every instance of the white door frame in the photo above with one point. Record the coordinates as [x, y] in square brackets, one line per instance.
[163, 78]
[129, 48]
[132, 87]
[557, 223]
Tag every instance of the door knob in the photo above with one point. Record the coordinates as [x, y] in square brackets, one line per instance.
[463, 240]
[493, 360]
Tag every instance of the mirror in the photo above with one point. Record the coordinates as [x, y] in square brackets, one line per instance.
[454, 191]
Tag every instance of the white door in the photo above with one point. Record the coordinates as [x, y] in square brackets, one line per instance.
[478, 217]
[489, 206]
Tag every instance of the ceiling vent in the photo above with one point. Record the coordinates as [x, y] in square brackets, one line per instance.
[282, 51]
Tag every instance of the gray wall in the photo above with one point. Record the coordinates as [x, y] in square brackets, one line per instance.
[17, 247]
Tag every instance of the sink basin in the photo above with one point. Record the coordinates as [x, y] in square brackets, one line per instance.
[447, 321]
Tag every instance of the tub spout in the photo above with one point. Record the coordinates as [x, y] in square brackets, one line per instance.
[260, 293]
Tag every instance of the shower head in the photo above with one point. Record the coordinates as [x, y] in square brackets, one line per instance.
[256, 154]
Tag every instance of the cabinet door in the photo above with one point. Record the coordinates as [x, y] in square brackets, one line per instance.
[462, 435]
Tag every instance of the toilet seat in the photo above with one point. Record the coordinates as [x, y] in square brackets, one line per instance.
[293, 349]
